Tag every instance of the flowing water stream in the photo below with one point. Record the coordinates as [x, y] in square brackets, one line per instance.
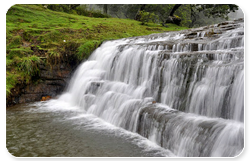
[169, 94]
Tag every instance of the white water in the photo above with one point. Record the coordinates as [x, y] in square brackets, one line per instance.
[197, 82]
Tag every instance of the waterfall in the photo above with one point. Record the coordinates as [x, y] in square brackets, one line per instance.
[182, 90]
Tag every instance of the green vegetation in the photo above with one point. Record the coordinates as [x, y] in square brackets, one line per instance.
[189, 15]
[146, 17]
[35, 35]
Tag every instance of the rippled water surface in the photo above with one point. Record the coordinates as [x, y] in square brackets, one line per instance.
[37, 130]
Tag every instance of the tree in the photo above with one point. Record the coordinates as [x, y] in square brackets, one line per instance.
[174, 9]
[172, 18]
[73, 6]
[181, 14]
[217, 10]
[105, 9]
[130, 10]
[211, 11]
[152, 13]
[208, 10]
[63, 7]
[138, 14]
[146, 17]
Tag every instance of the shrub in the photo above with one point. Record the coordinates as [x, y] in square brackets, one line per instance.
[146, 17]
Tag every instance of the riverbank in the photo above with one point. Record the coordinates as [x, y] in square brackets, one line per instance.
[43, 47]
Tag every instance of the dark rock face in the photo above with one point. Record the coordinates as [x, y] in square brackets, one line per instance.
[51, 82]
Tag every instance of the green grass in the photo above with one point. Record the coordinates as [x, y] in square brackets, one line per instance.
[11, 80]
[33, 31]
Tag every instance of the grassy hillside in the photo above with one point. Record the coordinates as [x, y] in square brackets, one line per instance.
[36, 35]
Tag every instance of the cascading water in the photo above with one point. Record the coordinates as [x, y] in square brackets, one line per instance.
[182, 90]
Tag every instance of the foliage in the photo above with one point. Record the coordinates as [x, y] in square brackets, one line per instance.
[191, 14]
[77, 9]
[184, 13]
[68, 8]
[11, 80]
[206, 14]
[53, 57]
[146, 17]
[217, 10]
[29, 65]
[97, 14]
